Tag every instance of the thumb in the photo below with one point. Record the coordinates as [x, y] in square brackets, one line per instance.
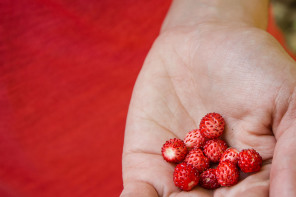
[283, 170]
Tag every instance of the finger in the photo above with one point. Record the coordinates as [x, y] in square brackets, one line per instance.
[283, 172]
[138, 188]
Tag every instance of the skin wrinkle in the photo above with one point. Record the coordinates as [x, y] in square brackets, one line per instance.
[147, 116]
[166, 103]
[174, 93]
[135, 152]
[179, 100]
[182, 105]
[162, 127]
[282, 122]
[246, 141]
[267, 162]
[264, 131]
[155, 123]
[276, 106]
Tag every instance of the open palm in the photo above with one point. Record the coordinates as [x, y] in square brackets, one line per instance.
[238, 71]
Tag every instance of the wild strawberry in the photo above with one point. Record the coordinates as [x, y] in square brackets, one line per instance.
[231, 154]
[185, 176]
[208, 179]
[196, 158]
[249, 161]
[214, 149]
[212, 125]
[194, 139]
[227, 173]
[174, 150]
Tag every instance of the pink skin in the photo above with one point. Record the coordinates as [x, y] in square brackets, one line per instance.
[235, 69]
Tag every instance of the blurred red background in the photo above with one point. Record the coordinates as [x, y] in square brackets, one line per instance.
[67, 69]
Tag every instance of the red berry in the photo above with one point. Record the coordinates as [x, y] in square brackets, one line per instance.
[208, 179]
[249, 161]
[231, 154]
[212, 125]
[214, 149]
[185, 176]
[194, 139]
[174, 150]
[196, 158]
[227, 173]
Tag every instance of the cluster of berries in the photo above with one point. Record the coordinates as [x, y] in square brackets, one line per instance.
[203, 147]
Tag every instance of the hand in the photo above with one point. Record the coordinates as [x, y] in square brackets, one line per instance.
[235, 69]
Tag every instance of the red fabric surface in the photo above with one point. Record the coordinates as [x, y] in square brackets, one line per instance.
[66, 77]
[67, 69]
